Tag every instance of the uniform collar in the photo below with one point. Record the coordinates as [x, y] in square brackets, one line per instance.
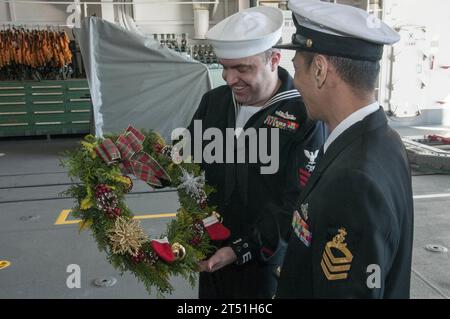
[371, 122]
[353, 118]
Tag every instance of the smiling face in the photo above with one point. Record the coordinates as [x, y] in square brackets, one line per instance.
[250, 78]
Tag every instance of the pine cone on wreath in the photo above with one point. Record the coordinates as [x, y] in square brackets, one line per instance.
[107, 201]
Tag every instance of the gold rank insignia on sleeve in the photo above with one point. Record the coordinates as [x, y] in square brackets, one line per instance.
[337, 258]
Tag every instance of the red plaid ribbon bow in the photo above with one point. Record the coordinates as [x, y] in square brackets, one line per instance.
[127, 152]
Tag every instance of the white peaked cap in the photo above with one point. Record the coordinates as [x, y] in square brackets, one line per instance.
[338, 30]
[342, 20]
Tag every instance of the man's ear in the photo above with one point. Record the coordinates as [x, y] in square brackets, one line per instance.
[321, 69]
[275, 60]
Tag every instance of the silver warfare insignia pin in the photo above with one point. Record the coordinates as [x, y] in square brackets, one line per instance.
[286, 115]
[304, 208]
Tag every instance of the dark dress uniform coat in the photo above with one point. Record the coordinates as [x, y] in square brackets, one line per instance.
[250, 202]
[352, 230]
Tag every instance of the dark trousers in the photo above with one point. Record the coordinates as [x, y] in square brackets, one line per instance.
[251, 280]
[232, 282]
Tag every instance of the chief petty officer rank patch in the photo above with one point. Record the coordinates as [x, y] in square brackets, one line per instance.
[336, 258]
[301, 229]
[281, 123]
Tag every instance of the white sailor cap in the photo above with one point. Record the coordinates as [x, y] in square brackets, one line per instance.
[338, 30]
[246, 33]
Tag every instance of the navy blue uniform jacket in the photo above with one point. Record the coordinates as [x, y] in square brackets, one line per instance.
[250, 202]
[352, 230]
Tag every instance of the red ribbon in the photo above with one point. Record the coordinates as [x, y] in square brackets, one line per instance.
[128, 153]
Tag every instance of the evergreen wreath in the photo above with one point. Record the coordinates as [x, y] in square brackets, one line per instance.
[99, 169]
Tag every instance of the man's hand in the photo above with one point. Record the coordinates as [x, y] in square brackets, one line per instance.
[223, 257]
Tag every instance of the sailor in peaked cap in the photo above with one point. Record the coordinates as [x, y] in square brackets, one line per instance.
[354, 220]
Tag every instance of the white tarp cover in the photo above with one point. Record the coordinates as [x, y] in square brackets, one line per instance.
[133, 80]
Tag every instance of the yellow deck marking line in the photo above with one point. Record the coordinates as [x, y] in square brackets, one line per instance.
[4, 264]
[62, 218]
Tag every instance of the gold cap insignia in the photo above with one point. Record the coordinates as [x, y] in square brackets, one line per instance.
[309, 43]
[336, 268]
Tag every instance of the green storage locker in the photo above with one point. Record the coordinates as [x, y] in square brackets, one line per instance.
[14, 116]
[45, 107]
[78, 106]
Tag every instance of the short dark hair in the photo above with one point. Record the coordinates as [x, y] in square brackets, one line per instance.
[360, 75]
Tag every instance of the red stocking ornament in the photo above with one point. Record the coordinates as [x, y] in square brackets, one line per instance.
[215, 229]
[163, 250]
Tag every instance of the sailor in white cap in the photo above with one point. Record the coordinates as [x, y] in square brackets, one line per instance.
[259, 95]
[352, 230]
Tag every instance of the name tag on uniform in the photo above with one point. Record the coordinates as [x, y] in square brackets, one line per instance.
[301, 229]
[280, 123]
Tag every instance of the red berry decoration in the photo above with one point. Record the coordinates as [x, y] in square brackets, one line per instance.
[138, 258]
[151, 257]
[106, 200]
[197, 229]
[158, 148]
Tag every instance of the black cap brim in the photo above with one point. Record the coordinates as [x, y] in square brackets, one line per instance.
[288, 46]
[306, 39]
